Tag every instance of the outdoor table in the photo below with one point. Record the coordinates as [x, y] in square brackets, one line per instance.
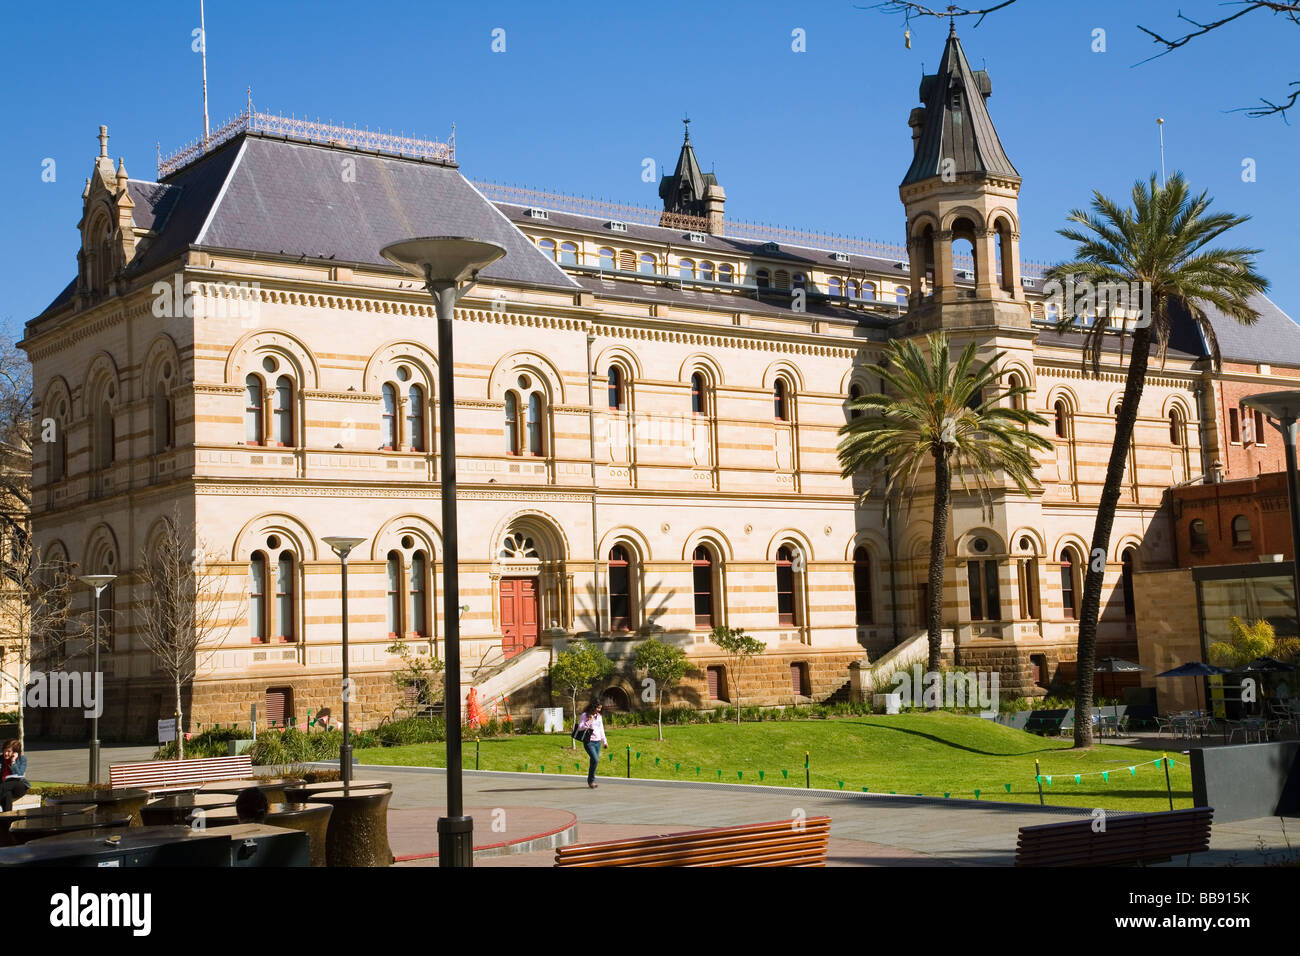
[178, 808]
[128, 800]
[306, 791]
[130, 846]
[32, 813]
[311, 818]
[358, 828]
[86, 824]
[272, 787]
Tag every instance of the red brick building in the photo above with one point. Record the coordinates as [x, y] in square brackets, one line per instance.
[1232, 522]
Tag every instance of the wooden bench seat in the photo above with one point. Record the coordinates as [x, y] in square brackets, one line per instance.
[1129, 839]
[162, 776]
[780, 843]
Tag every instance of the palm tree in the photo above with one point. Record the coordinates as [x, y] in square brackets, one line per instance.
[956, 414]
[1159, 246]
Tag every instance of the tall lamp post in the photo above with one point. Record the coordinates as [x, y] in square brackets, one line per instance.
[97, 582]
[343, 547]
[1284, 407]
[444, 263]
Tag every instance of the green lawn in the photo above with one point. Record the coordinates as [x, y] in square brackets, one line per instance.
[931, 754]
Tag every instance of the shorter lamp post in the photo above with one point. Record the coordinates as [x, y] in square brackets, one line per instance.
[98, 582]
[1284, 407]
[343, 547]
[446, 264]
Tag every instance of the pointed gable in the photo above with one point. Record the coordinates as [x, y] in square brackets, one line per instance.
[955, 123]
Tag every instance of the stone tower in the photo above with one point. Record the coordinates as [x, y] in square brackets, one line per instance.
[689, 192]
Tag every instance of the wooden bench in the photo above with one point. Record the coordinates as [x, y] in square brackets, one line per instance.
[781, 843]
[1130, 839]
[161, 776]
[1046, 722]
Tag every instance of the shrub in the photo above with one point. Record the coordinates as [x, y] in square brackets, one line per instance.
[412, 730]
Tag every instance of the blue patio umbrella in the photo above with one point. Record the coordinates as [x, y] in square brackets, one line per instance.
[1194, 669]
[1116, 665]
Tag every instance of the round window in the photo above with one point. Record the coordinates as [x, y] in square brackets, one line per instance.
[270, 364]
[408, 542]
[1026, 544]
[525, 381]
[980, 545]
[273, 541]
[403, 373]
[167, 370]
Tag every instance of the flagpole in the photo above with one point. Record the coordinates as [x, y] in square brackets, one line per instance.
[203, 52]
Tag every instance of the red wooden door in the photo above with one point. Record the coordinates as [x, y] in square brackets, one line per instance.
[518, 615]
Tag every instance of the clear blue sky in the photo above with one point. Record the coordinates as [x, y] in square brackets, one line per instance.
[584, 92]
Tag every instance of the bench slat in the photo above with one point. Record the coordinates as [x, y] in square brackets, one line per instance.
[778, 843]
[1132, 838]
[163, 775]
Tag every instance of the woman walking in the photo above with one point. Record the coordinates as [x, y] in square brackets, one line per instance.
[591, 731]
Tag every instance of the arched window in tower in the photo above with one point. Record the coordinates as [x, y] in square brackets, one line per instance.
[615, 388]
[862, 586]
[982, 587]
[284, 589]
[418, 622]
[569, 254]
[855, 393]
[620, 589]
[415, 418]
[284, 411]
[388, 432]
[394, 594]
[1014, 383]
[257, 597]
[253, 410]
[1006, 262]
[780, 401]
[698, 398]
[58, 449]
[163, 439]
[1069, 582]
[1126, 582]
[785, 598]
[1176, 432]
[702, 575]
[1062, 418]
[107, 437]
[512, 423]
[535, 445]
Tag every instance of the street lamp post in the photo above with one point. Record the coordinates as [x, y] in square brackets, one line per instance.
[444, 263]
[98, 582]
[343, 547]
[1284, 407]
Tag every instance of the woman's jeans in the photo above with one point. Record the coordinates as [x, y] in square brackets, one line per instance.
[12, 789]
[593, 751]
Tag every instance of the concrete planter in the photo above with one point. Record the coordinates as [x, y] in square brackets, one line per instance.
[237, 747]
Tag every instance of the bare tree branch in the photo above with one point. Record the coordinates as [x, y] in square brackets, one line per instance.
[909, 10]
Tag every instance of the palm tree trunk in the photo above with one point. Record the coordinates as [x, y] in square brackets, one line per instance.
[938, 549]
[1096, 560]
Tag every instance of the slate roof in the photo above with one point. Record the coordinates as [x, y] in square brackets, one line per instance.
[964, 134]
[1274, 338]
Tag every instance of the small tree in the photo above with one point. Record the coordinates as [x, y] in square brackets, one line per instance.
[665, 665]
[578, 668]
[184, 620]
[421, 671]
[738, 647]
[1247, 642]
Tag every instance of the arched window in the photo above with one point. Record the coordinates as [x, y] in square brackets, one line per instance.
[862, 586]
[900, 295]
[253, 410]
[702, 568]
[1126, 582]
[284, 629]
[59, 446]
[855, 393]
[388, 432]
[1241, 531]
[800, 685]
[257, 597]
[785, 602]
[800, 281]
[535, 424]
[615, 389]
[569, 254]
[833, 286]
[982, 587]
[107, 443]
[418, 622]
[284, 411]
[686, 269]
[869, 291]
[162, 419]
[1199, 535]
[1062, 412]
[606, 258]
[780, 401]
[1069, 572]
[1015, 382]
[1175, 427]
[699, 400]
[853, 290]
[763, 278]
[647, 263]
[706, 271]
[725, 272]
[394, 594]
[415, 418]
[620, 589]
[512, 423]
[548, 247]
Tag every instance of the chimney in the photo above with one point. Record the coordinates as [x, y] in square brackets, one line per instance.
[714, 199]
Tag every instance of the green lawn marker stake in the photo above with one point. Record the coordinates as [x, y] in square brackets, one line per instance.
[807, 773]
[1169, 787]
[1039, 777]
[629, 762]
